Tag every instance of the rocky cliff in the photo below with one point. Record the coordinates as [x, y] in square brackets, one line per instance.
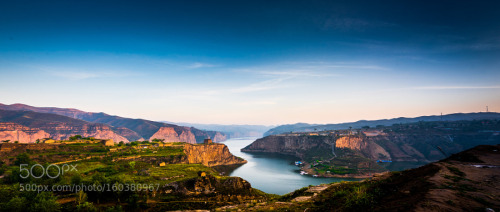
[211, 155]
[131, 129]
[299, 146]
[170, 134]
[367, 147]
[31, 126]
[23, 134]
[416, 142]
[219, 137]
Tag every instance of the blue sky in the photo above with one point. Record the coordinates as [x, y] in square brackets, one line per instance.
[252, 62]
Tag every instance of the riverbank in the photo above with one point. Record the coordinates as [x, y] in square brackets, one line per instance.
[270, 172]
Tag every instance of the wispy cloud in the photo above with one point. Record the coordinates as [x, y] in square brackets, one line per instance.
[83, 75]
[71, 75]
[200, 65]
[261, 86]
[456, 87]
[366, 67]
[296, 73]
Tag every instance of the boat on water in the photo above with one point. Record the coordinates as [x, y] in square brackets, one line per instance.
[384, 161]
[303, 172]
[298, 163]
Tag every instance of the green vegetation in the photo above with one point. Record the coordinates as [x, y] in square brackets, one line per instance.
[151, 171]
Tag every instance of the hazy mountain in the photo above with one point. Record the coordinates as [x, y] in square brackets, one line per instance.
[302, 127]
[234, 131]
[137, 128]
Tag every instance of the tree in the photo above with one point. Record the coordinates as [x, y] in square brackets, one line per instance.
[115, 209]
[76, 179]
[121, 143]
[22, 158]
[86, 207]
[157, 140]
[45, 201]
[81, 197]
[5, 141]
[16, 204]
[75, 137]
[132, 164]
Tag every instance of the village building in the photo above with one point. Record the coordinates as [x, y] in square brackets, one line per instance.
[207, 141]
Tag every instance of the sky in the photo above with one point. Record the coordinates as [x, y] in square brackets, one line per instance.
[252, 62]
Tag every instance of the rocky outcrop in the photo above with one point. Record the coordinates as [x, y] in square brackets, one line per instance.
[92, 130]
[297, 146]
[170, 134]
[209, 184]
[128, 134]
[368, 148]
[211, 155]
[219, 137]
[415, 144]
[23, 134]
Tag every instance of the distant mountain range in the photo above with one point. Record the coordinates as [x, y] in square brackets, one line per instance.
[233, 131]
[128, 128]
[303, 127]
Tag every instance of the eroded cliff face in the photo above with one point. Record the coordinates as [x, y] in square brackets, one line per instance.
[368, 148]
[395, 146]
[57, 131]
[211, 155]
[62, 131]
[23, 134]
[386, 147]
[297, 146]
[169, 134]
[219, 137]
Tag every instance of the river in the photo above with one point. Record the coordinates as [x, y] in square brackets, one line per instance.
[271, 173]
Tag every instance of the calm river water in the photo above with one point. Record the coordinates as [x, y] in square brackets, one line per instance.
[270, 173]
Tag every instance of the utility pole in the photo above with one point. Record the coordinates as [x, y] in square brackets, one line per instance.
[486, 108]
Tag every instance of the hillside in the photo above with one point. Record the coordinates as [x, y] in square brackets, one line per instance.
[143, 176]
[302, 127]
[132, 129]
[353, 153]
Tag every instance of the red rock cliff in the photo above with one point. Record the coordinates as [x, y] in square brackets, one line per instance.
[23, 134]
[171, 135]
[211, 155]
